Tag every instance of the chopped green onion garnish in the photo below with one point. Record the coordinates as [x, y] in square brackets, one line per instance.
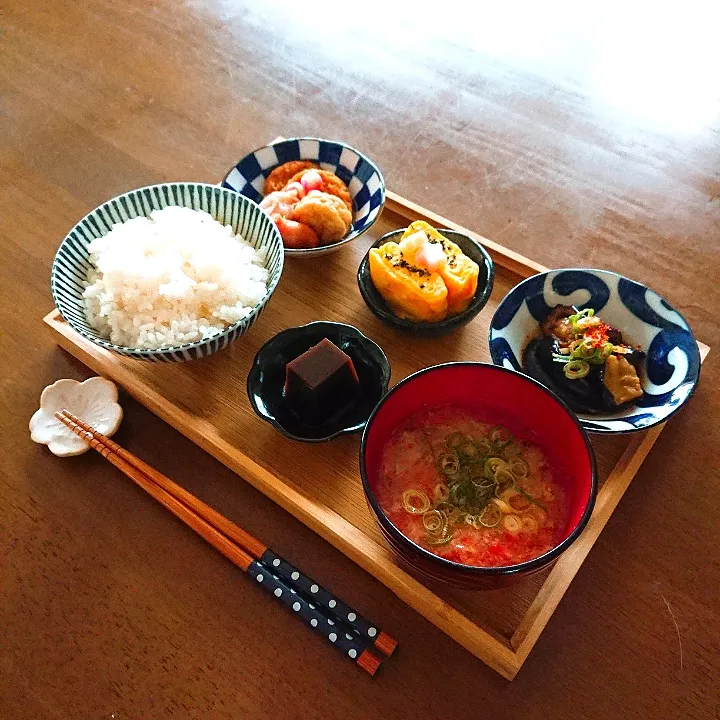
[493, 464]
[587, 312]
[501, 505]
[456, 517]
[455, 440]
[483, 482]
[519, 468]
[484, 446]
[490, 517]
[505, 480]
[433, 521]
[415, 502]
[586, 348]
[527, 495]
[477, 479]
[518, 502]
[500, 435]
[576, 369]
[449, 464]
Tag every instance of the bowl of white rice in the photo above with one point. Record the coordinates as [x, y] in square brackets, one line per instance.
[168, 272]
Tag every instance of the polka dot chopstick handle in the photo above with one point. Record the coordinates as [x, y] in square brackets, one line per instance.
[368, 633]
[349, 644]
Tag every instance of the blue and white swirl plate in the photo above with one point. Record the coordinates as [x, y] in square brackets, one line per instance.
[672, 366]
[363, 178]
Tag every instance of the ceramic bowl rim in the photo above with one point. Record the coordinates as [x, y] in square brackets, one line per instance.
[140, 353]
[384, 365]
[352, 235]
[477, 570]
[478, 303]
[596, 429]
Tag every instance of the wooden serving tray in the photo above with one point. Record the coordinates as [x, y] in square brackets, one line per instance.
[320, 484]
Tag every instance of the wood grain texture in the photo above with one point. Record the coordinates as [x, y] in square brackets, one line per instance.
[501, 627]
[561, 131]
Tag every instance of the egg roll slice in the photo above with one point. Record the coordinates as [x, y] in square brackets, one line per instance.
[411, 293]
[460, 273]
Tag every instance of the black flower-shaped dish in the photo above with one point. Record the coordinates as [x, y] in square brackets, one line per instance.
[266, 379]
[375, 301]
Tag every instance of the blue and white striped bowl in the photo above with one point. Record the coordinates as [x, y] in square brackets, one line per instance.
[672, 365]
[71, 264]
[361, 175]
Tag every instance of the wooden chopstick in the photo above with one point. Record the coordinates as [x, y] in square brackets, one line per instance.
[243, 539]
[202, 527]
[315, 592]
[353, 646]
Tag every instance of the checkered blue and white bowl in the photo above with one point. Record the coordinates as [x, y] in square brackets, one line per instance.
[361, 175]
[71, 264]
[672, 365]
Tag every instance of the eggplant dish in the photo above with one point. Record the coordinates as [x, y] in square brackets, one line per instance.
[585, 361]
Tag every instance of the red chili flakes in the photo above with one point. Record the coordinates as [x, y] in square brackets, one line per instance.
[598, 334]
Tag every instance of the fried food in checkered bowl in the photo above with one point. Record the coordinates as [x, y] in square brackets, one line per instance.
[310, 206]
[326, 214]
[282, 174]
[329, 183]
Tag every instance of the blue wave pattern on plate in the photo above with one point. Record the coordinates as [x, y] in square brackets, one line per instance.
[634, 297]
[502, 354]
[364, 180]
[566, 283]
[570, 281]
[513, 301]
[666, 338]
[672, 336]
[71, 264]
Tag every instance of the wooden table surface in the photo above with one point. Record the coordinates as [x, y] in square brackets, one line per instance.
[576, 137]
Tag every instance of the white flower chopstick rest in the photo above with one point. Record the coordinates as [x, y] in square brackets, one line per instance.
[95, 401]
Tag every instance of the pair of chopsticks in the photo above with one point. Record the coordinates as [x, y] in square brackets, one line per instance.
[322, 611]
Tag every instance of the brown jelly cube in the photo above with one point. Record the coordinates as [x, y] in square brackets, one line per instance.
[321, 382]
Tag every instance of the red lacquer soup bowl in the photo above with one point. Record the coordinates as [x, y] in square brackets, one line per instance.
[507, 398]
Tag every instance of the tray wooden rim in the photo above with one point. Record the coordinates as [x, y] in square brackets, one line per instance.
[378, 560]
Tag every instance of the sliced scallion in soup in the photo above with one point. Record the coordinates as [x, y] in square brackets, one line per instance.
[470, 491]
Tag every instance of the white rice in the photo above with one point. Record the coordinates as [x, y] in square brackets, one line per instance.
[176, 277]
